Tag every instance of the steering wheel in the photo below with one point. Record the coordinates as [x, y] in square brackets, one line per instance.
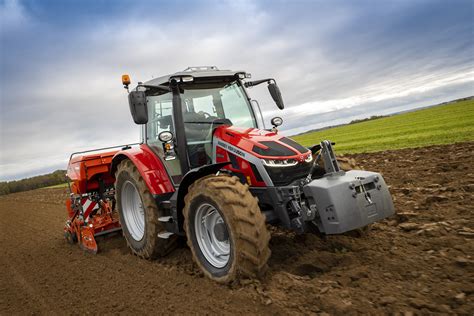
[204, 113]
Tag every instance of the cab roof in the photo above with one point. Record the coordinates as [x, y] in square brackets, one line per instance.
[195, 72]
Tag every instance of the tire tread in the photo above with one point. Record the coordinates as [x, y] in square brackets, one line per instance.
[154, 247]
[251, 237]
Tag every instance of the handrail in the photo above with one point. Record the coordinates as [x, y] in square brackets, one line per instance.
[200, 68]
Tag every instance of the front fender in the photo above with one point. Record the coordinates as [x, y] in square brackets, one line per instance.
[188, 179]
[192, 176]
[149, 166]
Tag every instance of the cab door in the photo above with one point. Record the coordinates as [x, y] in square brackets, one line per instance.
[160, 119]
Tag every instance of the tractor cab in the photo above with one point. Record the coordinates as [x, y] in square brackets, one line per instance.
[189, 106]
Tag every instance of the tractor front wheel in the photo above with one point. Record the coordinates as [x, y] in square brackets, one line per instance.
[225, 229]
[138, 214]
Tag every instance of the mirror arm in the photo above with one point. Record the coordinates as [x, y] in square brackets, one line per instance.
[162, 88]
[257, 82]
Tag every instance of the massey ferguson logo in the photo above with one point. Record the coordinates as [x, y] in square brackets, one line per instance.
[231, 148]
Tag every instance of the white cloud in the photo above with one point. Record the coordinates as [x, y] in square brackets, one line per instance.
[69, 95]
[12, 16]
[384, 91]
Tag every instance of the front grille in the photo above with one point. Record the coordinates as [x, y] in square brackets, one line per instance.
[294, 144]
[285, 175]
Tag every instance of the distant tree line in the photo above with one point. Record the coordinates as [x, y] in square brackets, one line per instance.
[373, 117]
[46, 180]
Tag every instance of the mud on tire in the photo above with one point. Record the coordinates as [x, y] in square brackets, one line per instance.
[246, 230]
[150, 245]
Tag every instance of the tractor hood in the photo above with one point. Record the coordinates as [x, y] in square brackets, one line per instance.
[262, 143]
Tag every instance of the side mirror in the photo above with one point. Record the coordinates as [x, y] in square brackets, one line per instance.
[166, 137]
[276, 95]
[138, 107]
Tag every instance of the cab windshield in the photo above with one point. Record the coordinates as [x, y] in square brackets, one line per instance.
[205, 105]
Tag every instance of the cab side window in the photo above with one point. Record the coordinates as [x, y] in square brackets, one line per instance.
[160, 116]
[160, 119]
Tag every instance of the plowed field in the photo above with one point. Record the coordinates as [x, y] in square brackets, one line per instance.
[421, 261]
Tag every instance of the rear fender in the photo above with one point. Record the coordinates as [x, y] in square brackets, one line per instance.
[150, 167]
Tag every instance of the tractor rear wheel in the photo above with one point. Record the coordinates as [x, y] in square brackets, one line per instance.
[138, 214]
[226, 230]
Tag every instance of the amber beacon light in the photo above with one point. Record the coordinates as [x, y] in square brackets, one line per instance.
[126, 81]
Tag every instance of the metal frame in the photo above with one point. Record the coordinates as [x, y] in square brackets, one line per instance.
[178, 119]
[126, 146]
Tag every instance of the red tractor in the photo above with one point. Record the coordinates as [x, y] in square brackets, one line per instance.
[206, 168]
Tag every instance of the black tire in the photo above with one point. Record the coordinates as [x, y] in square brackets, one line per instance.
[246, 230]
[150, 246]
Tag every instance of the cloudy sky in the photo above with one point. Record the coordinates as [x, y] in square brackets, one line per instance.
[61, 62]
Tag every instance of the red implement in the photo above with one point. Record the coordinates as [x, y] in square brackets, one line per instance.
[90, 207]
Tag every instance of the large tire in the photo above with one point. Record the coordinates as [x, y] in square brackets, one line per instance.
[142, 238]
[245, 232]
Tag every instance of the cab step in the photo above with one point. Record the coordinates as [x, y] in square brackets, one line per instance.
[165, 219]
[165, 235]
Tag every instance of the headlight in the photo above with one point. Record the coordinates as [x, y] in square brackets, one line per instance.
[279, 163]
[276, 121]
[309, 158]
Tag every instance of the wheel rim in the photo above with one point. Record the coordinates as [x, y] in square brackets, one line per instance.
[207, 220]
[133, 212]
